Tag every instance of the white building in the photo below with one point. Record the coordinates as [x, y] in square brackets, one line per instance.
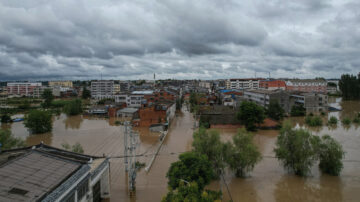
[102, 89]
[22, 88]
[243, 84]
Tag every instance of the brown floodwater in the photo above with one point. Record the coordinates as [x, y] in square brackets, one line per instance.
[268, 182]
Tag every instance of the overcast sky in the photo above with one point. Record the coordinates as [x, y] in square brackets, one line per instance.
[180, 39]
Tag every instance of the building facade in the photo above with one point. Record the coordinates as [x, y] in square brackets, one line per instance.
[312, 102]
[22, 88]
[243, 84]
[102, 89]
[272, 85]
[263, 98]
[307, 85]
[68, 84]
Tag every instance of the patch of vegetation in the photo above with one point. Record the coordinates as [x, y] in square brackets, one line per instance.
[346, 121]
[77, 148]
[74, 107]
[297, 110]
[331, 154]
[86, 94]
[313, 121]
[275, 111]
[38, 121]
[8, 141]
[5, 118]
[250, 114]
[333, 120]
[48, 98]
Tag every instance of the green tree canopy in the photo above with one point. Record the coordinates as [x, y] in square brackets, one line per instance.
[191, 192]
[297, 149]
[191, 167]
[48, 98]
[86, 93]
[297, 110]
[250, 114]
[7, 141]
[350, 86]
[208, 143]
[5, 118]
[74, 107]
[274, 110]
[243, 154]
[331, 154]
[38, 121]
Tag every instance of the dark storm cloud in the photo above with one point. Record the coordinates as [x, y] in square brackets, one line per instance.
[66, 39]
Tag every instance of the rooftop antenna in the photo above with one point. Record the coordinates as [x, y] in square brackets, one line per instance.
[269, 76]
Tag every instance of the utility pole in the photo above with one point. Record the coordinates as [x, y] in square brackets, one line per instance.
[130, 144]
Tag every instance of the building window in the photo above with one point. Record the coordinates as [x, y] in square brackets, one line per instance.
[69, 198]
[82, 189]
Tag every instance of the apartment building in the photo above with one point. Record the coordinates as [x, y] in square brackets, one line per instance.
[102, 89]
[243, 84]
[68, 84]
[272, 85]
[22, 88]
[263, 97]
[117, 88]
[312, 102]
[307, 85]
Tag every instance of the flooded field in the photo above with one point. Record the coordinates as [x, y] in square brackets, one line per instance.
[268, 182]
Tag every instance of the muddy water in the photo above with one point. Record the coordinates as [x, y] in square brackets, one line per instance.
[268, 182]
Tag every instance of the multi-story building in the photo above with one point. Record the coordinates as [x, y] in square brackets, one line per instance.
[22, 88]
[68, 84]
[272, 84]
[243, 84]
[117, 88]
[124, 86]
[312, 102]
[263, 97]
[205, 84]
[307, 85]
[102, 89]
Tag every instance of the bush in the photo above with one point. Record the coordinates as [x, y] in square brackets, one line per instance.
[5, 118]
[356, 120]
[74, 107]
[313, 121]
[297, 111]
[8, 141]
[333, 120]
[59, 103]
[38, 121]
[331, 154]
[346, 121]
[297, 149]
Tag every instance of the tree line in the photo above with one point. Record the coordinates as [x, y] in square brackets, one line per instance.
[350, 86]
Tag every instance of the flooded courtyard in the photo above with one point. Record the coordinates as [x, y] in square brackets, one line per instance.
[268, 182]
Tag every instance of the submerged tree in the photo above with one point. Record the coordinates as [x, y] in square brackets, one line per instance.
[331, 154]
[38, 121]
[208, 143]
[191, 167]
[74, 107]
[191, 192]
[243, 154]
[297, 149]
[274, 110]
[8, 141]
[48, 98]
[250, 114]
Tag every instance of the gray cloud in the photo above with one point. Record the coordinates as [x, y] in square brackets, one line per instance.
[66, 39]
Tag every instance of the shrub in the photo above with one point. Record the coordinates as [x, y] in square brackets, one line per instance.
[356, 120]
[297, 110]
[331, 154]
[5, 118]
[8, 141]
[313, 121]
[346, 121]
[333, 120]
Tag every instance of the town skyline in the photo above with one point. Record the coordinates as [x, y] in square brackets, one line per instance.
[131, 40]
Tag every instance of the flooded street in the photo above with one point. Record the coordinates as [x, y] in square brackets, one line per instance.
[268, 182]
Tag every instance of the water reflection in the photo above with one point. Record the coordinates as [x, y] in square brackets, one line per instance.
[73, 122]
[298, 189]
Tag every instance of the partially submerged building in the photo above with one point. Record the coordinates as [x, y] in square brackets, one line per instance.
[44, 173]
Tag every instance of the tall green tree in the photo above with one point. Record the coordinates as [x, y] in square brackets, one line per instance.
[244, 154]
[350, 86]
[86, 94]
[48, 98]
[250, 114]
[331, 154]
[190, 192]
[208, 143]
[8, 141]
[274, 110]
[191, 167]
[297, 149]
[74, 107]
[38, 121]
